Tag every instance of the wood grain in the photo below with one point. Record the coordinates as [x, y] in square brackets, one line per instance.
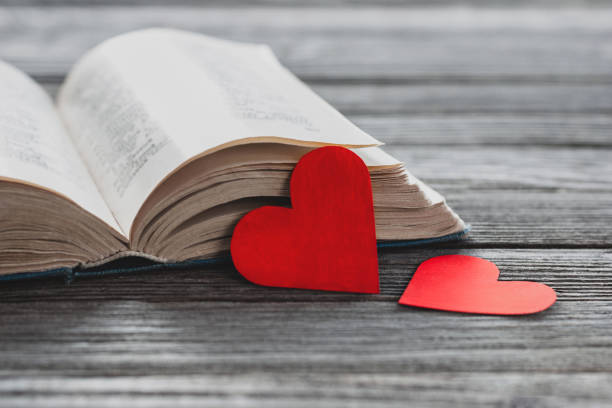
[490, 129]
[302, 5]
[416, 44]
[194, 353]
[504, 107]
[576, 274]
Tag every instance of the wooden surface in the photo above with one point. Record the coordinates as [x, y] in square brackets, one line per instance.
[504, 107]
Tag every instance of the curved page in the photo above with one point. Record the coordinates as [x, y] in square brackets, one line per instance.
[35, 148]
[140, 105]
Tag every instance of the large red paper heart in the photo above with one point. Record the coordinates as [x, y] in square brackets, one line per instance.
[467, 284]
[326, 241]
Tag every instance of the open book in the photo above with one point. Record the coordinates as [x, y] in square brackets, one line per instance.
[160, 141]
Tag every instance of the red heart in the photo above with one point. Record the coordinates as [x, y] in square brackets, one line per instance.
[327, 241]
[460, 283]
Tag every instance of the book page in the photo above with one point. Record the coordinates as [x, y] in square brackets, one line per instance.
[140, 105]
[35, 148]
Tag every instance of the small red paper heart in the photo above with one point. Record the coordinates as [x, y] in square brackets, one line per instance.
[326, 241]
[460, 283]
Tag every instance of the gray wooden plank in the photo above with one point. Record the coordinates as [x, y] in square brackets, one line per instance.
[310, 4]
[318, 390]
[489, 129]
[402, 43]
[576, 274]
[519, 168]
[526, 99]
[516, 218]
[313, 390]
[143, 353]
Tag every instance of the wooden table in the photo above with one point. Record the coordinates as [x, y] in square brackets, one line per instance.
[504, 107]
